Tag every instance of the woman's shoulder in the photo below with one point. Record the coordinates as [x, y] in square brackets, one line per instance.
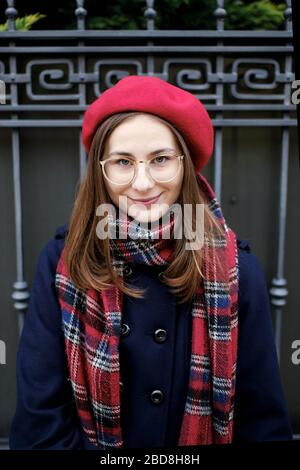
[248, 263]
[61, 232]
[243, 245]
[252, 281]
[50, 253]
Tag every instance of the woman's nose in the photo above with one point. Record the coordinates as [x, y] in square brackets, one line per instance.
[142, 180]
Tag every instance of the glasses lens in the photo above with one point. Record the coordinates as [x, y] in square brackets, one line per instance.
[119, 170]
[164, 167]
[161, 168]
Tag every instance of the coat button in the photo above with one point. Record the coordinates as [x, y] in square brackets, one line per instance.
[160, 335]
[121, 387]
[161, 276]
[157, 396]
[125, 329]
[127, 270]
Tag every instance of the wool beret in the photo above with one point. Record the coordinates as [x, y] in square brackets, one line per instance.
[156, 96]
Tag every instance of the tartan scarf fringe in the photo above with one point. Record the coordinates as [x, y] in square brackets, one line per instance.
[91, 323]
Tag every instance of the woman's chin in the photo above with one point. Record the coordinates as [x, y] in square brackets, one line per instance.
[146, 215]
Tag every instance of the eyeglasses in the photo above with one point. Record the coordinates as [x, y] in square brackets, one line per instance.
[121, 171]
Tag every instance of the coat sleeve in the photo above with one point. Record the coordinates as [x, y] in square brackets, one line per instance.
[45, 416]
[260, 408]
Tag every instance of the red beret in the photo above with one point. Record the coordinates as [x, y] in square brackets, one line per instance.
[154, 95]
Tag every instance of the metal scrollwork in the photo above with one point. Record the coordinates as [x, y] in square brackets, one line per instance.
[51, 74]
[114, 75]
[251, 77]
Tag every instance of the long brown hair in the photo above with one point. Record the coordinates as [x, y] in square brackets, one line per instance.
[88, 258]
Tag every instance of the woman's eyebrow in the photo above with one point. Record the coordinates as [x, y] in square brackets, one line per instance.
[127, 154]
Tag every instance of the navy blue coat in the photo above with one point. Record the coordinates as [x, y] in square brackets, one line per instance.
[154, 356]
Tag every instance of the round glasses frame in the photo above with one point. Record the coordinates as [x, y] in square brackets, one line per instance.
[147, 162]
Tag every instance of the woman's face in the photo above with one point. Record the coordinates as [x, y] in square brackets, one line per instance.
[141, 136]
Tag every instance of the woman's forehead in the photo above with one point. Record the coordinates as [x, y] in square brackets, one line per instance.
[137, 136]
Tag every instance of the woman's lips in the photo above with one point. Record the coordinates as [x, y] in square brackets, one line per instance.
[146, 202]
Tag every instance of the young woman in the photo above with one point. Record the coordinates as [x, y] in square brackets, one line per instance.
[149, 322]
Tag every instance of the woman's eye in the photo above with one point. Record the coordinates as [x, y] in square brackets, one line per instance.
[123, 162]
[161, 159]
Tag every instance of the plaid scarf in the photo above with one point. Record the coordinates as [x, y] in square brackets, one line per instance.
[92, 323]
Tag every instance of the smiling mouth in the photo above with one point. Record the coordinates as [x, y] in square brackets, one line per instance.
[146, 201]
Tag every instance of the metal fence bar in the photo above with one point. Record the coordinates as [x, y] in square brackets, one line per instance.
[278, 290]
[209, 107]
[216, 122]
[139, 33]
[20, 294]
[220, 14]
[150, 14]
[81, 13]
[153, 49]
[4, 444]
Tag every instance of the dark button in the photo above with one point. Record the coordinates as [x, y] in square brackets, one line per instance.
[125, 329]
[127, 270]
[157, 396]
[161, 276]
[121, 387]
[160, 335]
